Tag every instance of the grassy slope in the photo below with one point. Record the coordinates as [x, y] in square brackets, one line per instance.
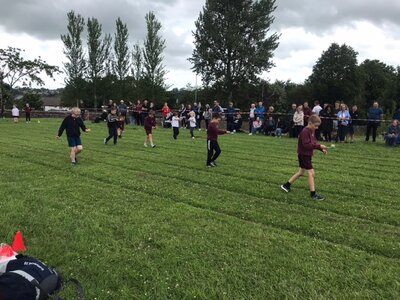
[136, 223]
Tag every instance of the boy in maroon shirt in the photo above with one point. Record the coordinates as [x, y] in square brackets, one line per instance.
[149, 124]
[212, 140]
[307, 143]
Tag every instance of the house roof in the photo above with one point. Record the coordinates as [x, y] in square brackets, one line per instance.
[53, 100]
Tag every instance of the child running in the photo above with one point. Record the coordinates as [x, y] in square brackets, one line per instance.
[72, 124]
[192, 123]
[149, 124]
[212, 140]
[307, 143]
[112, 124]
[175, 124]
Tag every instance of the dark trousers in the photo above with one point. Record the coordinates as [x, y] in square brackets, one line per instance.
[112, 133]
[213, 151]
[191, 131]
[176, 132]
[207, 122]
[230, 126]
[297, 130]
[28, 117]
[327, 136]
[342, 132]
[374, 127]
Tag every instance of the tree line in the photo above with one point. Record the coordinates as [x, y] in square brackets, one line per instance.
[106, 67]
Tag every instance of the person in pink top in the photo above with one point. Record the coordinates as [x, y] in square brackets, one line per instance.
[165, 111]
[307, 143]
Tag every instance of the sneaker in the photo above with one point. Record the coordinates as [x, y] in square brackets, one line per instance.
[153, 146]
[192, 137]
[209, 166]
[105, 141]
[213, 164]
[73, 163]
[145, 145]
[317, 197]
[286, 188]
[250, 133]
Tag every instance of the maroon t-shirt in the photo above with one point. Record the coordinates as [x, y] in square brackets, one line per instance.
[213, 131]
[307, 143]
[149, 123]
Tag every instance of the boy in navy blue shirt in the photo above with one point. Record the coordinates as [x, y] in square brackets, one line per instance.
[72, 125]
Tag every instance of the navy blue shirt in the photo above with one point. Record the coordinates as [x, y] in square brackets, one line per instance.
[375, 113]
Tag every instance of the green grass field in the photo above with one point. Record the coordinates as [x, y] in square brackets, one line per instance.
[138, 223]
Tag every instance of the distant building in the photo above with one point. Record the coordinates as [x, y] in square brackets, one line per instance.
[53, 103]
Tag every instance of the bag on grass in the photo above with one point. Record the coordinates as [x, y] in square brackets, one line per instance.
[26, 278]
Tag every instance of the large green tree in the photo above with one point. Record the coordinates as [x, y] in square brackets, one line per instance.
[154, 69]
[98, 53]
[73, 50]
[378, 83]
[232, 44]
[335, 76]
[14, 68]
[121, 51]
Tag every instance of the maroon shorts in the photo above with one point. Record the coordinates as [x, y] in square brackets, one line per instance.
[305, 162]
[148, 130]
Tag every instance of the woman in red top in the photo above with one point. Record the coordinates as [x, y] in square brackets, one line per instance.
[165, 112]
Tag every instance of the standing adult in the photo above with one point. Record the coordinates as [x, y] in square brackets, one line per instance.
[15, 113]
[165, 113]
[307, 112]
[260, 111]
[343, 122]
[252, 116]
[123, 109]
[109, 106]
[230, 117]
[138, 113]
[353, 124]
[317, 108]
[290, 123]
[298, 120]
[199, 116]
[183, 115]
[375, 114]
[217, 109]
[207, 114]
[326, 127]
[27, 110]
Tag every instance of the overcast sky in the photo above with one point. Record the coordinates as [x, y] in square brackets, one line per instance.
[307, 27]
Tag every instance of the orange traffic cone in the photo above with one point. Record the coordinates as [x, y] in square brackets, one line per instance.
[18, 244]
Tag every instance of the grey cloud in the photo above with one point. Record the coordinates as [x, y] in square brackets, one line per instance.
[322, 15]
[47, 19]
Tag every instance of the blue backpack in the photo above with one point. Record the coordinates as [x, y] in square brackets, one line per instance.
[26, 278]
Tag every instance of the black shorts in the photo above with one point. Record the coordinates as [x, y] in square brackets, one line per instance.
[305, 162]
[148, 130]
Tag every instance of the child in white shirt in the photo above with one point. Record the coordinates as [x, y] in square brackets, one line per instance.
[175, 124]
[192, 123]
